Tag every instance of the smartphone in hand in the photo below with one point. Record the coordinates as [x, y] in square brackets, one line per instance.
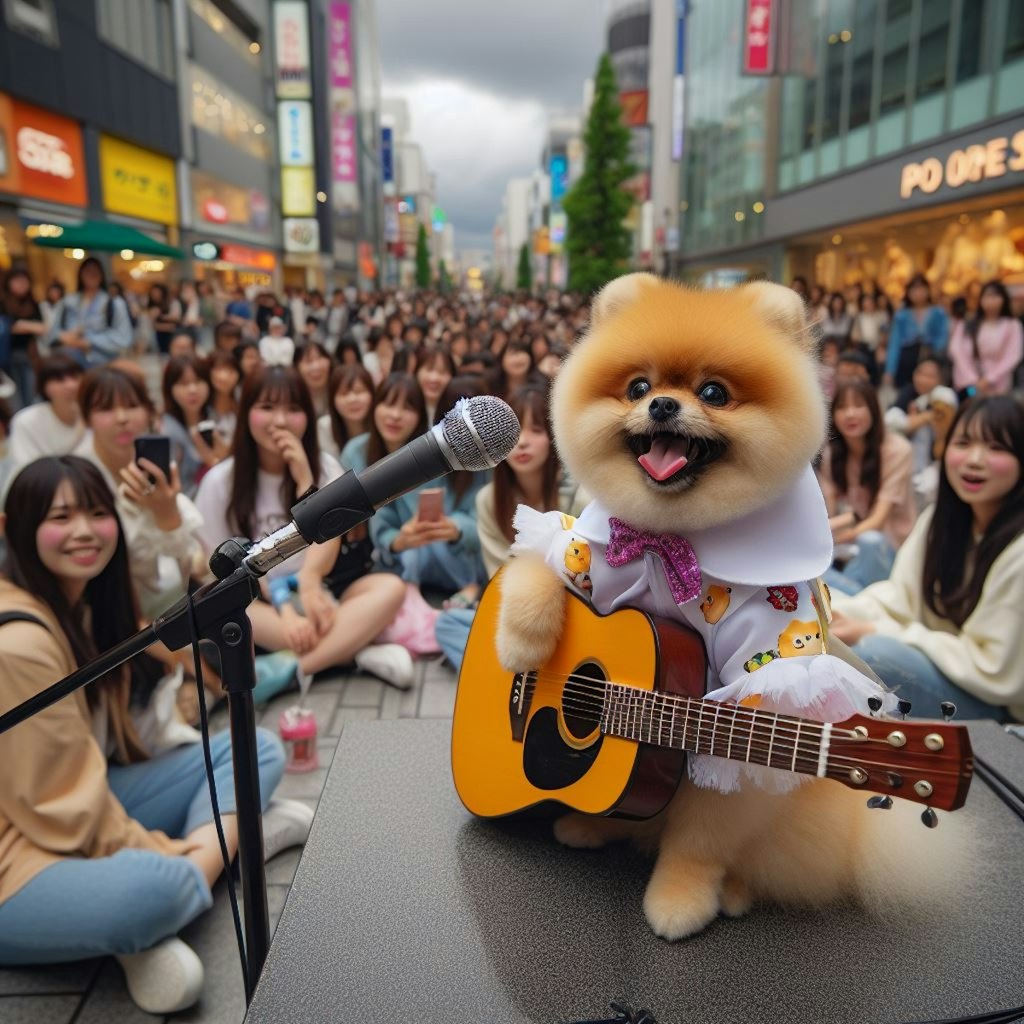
[205, 430]
[431, 507]
[157, 449]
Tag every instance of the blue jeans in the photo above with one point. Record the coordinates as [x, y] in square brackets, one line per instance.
[913, 675]
[873, 562]
[438, 565]
[128, 902]
[452, 632]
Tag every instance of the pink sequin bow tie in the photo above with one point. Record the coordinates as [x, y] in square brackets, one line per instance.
[677, 557]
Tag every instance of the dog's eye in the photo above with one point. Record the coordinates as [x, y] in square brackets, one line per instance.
[713, 393]
[638, 389]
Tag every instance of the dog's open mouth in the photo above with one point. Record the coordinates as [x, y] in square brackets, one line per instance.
[668, 457]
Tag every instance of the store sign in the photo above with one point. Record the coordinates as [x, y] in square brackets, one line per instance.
[558, 223]
[298, 194]
[291, 49]
[137, 182]
[301, 234]
[634, 107]
[979, 162]
[759, 38]
[41, 154]
[558, 169]
[215, 212]
[205, 251]
[295, 133]
[243, 256]
[341, 100]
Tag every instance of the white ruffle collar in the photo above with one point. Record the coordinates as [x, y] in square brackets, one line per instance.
[787, 541]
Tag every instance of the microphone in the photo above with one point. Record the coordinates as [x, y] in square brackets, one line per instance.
[477, 434]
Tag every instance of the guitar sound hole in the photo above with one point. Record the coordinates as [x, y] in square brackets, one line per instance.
[581, 704]
[548, 762]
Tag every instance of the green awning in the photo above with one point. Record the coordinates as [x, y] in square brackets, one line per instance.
[100, 236]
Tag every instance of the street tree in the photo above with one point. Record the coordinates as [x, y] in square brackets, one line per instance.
[422, 259]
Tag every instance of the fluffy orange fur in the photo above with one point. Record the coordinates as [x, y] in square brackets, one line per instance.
[716, 853]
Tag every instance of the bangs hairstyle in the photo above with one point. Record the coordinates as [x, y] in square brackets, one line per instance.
[56, 367]
[427, 357]
[279, 385]
[1000, 420]
[303, 350]
[530, 402]
[397, 388]
[344, 379]
[110, 595]
[871, 465]
[106, 386]
[175, 369]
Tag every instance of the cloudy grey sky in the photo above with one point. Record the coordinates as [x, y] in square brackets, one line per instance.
[479, 78]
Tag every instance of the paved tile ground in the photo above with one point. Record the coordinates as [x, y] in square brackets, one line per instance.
[93, 992]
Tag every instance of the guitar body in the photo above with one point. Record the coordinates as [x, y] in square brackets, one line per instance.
[526, 742]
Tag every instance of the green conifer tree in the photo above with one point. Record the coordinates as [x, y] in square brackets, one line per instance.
[524, 272]
[422, 259]
[597, 241]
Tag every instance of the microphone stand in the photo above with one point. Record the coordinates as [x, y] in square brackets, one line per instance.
[221, 619]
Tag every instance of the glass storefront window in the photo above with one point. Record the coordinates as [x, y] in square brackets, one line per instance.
[932, 48]
[222, 112]
[973, 18]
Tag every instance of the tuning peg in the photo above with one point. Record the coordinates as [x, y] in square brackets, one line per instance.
[875, 703]
[929, 817]
[880, 803]
[903, 706]
[948, 709]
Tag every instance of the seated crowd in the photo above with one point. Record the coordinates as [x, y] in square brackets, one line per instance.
[925, 500]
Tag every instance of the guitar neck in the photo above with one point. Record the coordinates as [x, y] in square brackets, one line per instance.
[724, 730]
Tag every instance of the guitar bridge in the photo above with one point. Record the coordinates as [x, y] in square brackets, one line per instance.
[520, 698]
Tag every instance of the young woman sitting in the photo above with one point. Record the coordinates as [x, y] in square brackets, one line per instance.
[351, 408]
[53, 426]
[186, 392]
[161, 524]
[865, 476]
[101, 858]
[314, 364]
[946, 624]
[250, 494]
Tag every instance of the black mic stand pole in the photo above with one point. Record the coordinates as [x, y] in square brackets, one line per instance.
[221, 619]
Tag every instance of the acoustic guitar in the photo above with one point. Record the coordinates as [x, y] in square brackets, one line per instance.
[604, 726]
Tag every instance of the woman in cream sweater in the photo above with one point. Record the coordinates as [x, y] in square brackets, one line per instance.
[946, 625]
[100, 858]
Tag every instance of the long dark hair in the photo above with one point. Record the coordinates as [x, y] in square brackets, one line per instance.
[871, 465]
[271, 384]
[402, 387]
[175, 369]
[17, 307]
[1000, 289]
[91, 261]
[515, 345]
[946, 590]
[345, 378]
[914, 282]
[110, 595]
[531, 401]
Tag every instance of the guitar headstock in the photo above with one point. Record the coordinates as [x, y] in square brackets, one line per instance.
[928, 762]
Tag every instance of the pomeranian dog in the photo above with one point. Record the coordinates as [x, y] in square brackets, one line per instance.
[697, 415]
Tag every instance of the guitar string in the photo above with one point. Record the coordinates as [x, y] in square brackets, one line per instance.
[595, 690]
[808, 750]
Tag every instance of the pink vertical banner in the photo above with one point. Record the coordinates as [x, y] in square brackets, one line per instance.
[343, 146]
[339, 46]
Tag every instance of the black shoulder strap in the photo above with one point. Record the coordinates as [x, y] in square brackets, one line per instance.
[6, 617]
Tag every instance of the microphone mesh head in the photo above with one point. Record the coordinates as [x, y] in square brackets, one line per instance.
[479, 433]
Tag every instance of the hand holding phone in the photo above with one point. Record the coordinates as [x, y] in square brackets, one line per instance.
[157, 449]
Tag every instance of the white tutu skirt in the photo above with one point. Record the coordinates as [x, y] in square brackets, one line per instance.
[819, 687]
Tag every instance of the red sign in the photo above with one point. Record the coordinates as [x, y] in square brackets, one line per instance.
[262, 259]
[758, 39]
[44, 157]
[215, 211]
[634, 107]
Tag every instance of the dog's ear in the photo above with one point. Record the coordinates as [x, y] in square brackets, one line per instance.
[782, 308]
[616, 294]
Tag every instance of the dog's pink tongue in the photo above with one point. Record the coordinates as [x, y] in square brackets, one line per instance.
[665, 457]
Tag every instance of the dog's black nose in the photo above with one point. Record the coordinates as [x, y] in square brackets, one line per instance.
[661, 409]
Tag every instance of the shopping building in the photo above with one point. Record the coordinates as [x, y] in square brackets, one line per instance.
[80, 146]
[867, 140]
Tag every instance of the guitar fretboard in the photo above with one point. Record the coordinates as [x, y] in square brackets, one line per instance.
[723, 730]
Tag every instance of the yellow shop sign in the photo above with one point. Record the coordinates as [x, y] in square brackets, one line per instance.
[137, 182]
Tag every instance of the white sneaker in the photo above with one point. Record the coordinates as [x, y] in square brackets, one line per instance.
[285, 823]
[390, 662]
[164, 979]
